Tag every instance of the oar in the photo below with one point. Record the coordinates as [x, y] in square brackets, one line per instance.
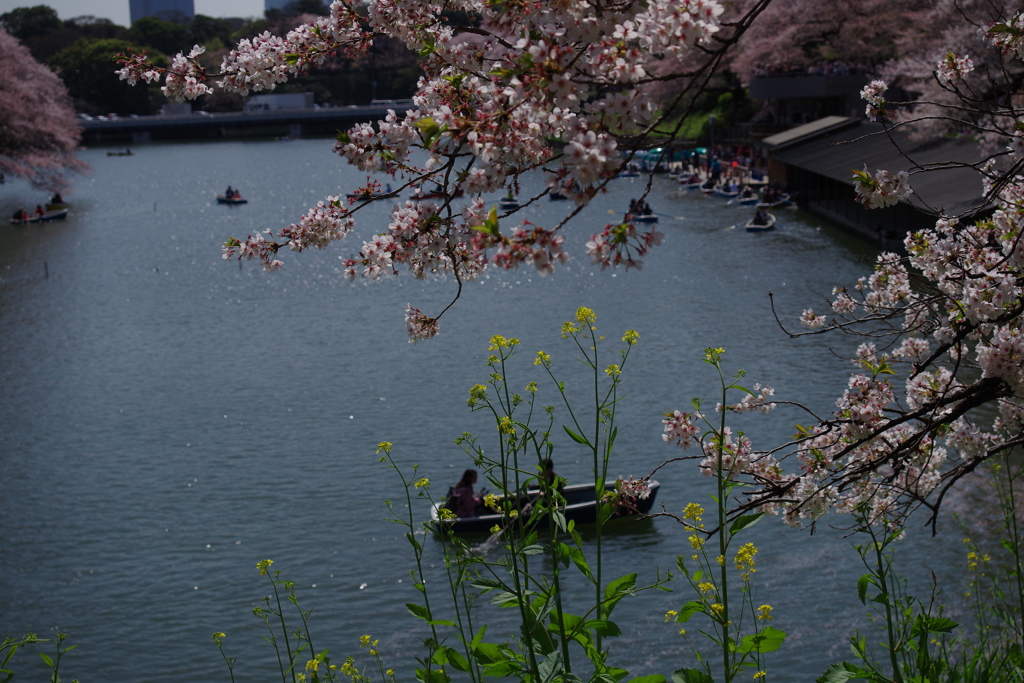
[667, 215]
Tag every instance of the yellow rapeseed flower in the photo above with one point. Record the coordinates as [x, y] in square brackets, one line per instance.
[585, 316]
[478, 392]
[218, 636]
[492, 501]
[263, 566]
[384, 446]
[630, 337]
[613, 371]
[495, 529]
[313, 665]
[760, 674]
[693, 511]
[364, 641]
[764, 613]
[717, 609]
[506, 426]
[745, 560]
[422, 483]
[706, 587]
[499, 342]
[696, 542]
[390, 672]
[671, 613]
[445, 514]
[712, 354]
[542, 358]
[532, 387]
[720, 560]
[682, 631]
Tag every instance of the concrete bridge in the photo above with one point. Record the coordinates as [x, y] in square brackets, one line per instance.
[294, 122]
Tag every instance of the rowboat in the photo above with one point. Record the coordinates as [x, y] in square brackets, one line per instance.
[644, 218]
[221, 199]
[58, 215]
[580, 507]
[753, 227]
[365, 195]
[508, 203]
[719, 192]
[749, 201]
[121, 153]
[783, 200]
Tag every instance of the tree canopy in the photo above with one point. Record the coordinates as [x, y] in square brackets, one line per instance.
[38, 132]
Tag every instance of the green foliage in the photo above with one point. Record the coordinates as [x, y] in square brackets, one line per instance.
[166, 36]
[87, 69]
[28, 22]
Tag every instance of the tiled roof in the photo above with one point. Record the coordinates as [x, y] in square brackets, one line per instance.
[949, 191]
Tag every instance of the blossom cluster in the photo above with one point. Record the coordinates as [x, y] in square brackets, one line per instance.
[492, 99]
[952, 69]
[881, 190]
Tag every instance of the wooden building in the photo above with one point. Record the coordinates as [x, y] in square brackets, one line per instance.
[815, 163]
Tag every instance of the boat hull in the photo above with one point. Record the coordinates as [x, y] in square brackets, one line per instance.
[58, 215]
[580, 507]
[645, 218]
[752, 227]
[221, 199]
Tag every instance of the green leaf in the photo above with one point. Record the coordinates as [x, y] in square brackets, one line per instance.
[489, 653]
[418, 611]
[744, 522]
[447, 655]
[862, 587]
[46, 658]
[623, 584]
[477, 638]
[842, 672]
[532, 550]
[925, 624]
[487, 584]
[576, 555]
[768, 640]
[441, 622]
[689, 609]
[655, 678]
[575, 437]
[691, 676]
[604, 628]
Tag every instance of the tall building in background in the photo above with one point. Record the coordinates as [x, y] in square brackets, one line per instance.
[180, 11]
[275, 4]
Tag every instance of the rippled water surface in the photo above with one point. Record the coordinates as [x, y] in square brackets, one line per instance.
[168, 419]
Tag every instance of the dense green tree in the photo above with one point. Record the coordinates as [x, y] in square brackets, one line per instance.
[44, 46]
[26, 22]
[87, 69]
[166, 36]
[204, 30]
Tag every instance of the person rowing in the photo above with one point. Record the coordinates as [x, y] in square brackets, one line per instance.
[760, 218]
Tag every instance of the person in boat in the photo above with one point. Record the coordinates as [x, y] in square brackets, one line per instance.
[747, 192]
[644, 208]
[465, 502]
[551, 477]
[760, 218]
[57, 199]
[388, 189]
[40, 211]
[20, 215]
[229, 193]
[733, 187]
